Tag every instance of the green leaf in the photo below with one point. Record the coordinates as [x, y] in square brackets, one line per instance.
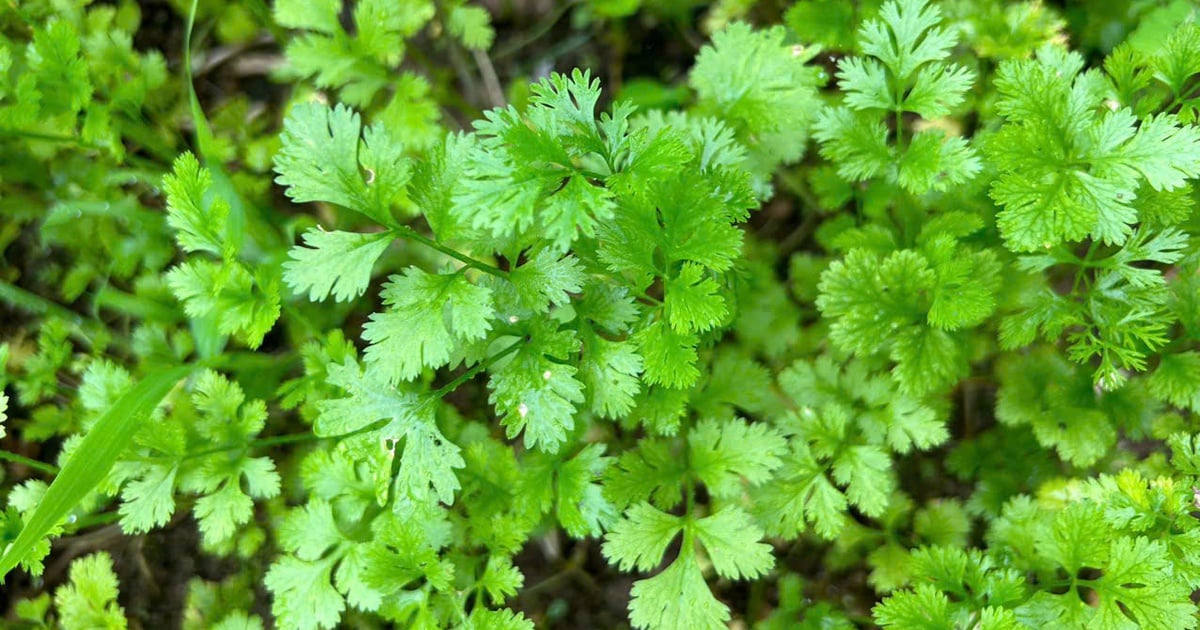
[879, 306]
[1139, 583]
[89, 600]
[903, 69]
[428, 315]
[693, 301]
[1177, 380]
[472, 25]
[334, 262]
[651, 472]
[761, 86]
[318, 15]
[61, 75]
[800, 494]
[304, 595]
[640, 538]
[1089, 162]
[535, 392]
[723, 454]
[733, 543]
[199, 226]
[149, 499]
[427, 462]
[582, 509]
[92, 459]
[866, 473]
[227, 295]
[324, 159]
[906, 36]
[546, 280]
[669, 357]
[609, 371]
[677, 599]
[924, 607]
[500, 579]
[525, 177]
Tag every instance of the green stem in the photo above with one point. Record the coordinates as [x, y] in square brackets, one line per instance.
[138, 306]
[290, 438]
[412, 235]
[293, 438]
[49, 469]
[534, 34]
[35, 304]
[91, 520]
[476, 369]
[1083, 266]
[47, 137]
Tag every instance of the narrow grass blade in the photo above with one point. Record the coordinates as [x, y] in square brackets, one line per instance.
[91, 462]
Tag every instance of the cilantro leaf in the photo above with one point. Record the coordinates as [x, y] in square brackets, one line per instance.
[428, 315]
[199, 226]
[677, 599]
[240, 303]
[525, 177]
[761, 87]
[693, 302]
[669, 357]
[800, 494]
[1083, 180]
[535, 392]
[304, 595]
[89, 599]
[546, 279]
[640, 538]
[722, 454]
[1177, 380]
[903, 69]
[732, 541]
[472, 25]
[323, 158]
[609, 372]
[1139, 582]
[334, 262]
[427, 462]
[882, 305]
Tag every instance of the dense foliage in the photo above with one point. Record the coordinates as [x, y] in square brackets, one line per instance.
[437, 314]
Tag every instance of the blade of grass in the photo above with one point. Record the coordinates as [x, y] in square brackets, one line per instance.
[245, 218]
[92, 460]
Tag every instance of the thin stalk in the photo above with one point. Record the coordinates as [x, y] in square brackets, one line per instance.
[1084, 265]
[85, 329]
[39, 305]
[413, 235]
[290, 438]
[49, 469]
[476, 369]
[48, 137]
[92, 520]
[294, 438]
[899, 129]
[512, 46]
[143, 308]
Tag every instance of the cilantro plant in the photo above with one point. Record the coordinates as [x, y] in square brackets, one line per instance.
[443, 314]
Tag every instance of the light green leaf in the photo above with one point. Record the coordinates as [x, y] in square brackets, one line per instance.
[334, 262]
